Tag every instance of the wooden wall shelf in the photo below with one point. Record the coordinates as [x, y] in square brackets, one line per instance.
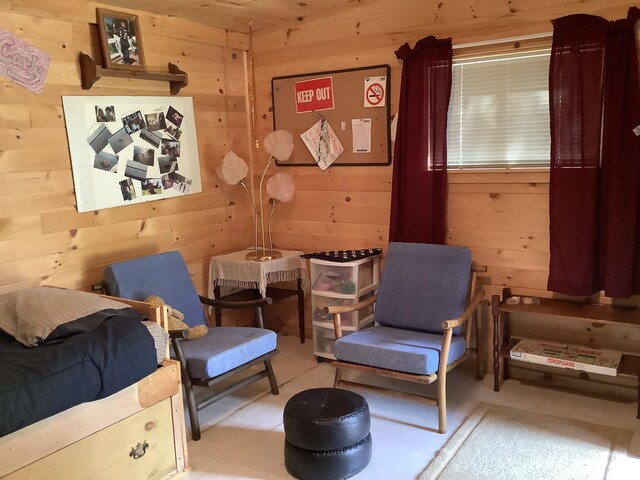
[91, 73]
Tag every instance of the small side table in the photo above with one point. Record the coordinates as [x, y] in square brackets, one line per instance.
[596, 315]
[233, 270]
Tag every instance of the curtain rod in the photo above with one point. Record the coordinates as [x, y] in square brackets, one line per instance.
[503, 40]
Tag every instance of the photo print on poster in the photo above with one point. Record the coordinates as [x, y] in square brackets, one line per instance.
[167, 164]
[151, 186]
[151, 137]
[120, 140]
[110, 164]
[127, 189]
[106, 161]
[99, 138]
[136, 170]
[105, 113]
[174, 116]
[167, 181]
[170, 147]
[143, 155]
[155, 121]
[133, 122]
[180, 183]
[173, 131]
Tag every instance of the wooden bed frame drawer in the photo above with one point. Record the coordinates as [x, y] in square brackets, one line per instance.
[108, 454]
[94, 439]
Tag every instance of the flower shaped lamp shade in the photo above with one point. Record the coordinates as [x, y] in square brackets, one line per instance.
[279, 145]
[233, 169]
[280, 189]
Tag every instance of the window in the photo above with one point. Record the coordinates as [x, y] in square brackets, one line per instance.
[499, 112]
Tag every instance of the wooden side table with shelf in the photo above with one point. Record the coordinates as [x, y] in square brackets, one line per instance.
[340, 283]
[596, 314]
[253, 280]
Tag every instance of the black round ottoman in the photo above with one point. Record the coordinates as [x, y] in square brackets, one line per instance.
[326, 434]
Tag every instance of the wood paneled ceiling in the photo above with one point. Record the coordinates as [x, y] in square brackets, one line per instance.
[238, 15]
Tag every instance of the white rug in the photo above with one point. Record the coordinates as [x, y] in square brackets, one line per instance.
[498, 442]
[248, 441]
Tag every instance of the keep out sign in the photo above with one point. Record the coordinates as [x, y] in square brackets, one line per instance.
[315, 94]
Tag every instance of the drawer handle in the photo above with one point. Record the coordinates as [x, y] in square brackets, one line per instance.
[139, 450]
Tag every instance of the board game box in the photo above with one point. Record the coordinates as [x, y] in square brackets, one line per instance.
[574, 357]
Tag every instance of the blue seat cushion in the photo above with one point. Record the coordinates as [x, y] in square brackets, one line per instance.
[225, 348]
[406, 351]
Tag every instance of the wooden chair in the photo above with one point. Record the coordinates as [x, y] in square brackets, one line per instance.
[426, 295]
[223, 353]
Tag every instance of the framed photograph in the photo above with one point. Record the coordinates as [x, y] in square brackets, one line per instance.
[120, 40]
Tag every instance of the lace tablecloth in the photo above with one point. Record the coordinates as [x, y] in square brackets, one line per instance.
[233, 270]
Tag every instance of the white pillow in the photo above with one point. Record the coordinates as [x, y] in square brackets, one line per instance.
[30, 315]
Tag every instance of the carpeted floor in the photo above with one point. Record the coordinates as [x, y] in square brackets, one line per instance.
[498, 442]
[243, 433]
[249, 443]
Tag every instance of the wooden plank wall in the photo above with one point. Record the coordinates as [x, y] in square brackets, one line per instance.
[43, 240]
[503, 216]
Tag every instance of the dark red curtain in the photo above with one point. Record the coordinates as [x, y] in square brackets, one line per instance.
[576, 78]
[594, 195]
[620, 179]
[419, 194]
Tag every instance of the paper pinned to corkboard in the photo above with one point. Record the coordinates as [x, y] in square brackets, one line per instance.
[323, 144]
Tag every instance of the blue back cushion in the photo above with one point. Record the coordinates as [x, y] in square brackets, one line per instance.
[422, 285]
[162, 274]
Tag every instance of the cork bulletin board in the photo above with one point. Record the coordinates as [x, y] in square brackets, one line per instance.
[354, 103]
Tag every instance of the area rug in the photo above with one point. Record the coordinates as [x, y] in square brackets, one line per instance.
[498, 442]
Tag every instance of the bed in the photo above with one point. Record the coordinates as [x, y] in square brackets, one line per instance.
[124, 419]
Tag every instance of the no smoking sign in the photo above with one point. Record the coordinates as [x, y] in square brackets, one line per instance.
[375, 91]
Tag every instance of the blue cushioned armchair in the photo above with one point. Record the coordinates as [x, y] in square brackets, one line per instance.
[426, 297]
[205, 361]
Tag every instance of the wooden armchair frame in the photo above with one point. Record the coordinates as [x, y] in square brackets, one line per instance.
[470, 313]
[193, 405]
[166, 275]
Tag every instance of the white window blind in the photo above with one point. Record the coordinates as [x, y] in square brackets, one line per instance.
[499, 112]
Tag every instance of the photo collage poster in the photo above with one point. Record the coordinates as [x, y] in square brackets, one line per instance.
[127, 150]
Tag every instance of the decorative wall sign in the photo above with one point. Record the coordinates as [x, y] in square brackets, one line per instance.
[22, 63]
[313, 95]
[375, 91]
[128, 150]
